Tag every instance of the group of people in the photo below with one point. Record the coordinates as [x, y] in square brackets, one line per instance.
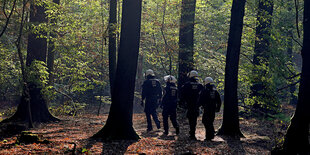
[193, 95]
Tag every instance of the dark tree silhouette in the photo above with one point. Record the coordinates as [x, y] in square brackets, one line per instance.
[297, 136]
[119, 123]
[262, 47]
[186, 40]
[230, 125]
[32, 100]
[112, 42]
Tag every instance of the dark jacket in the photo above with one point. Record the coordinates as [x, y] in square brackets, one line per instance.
[170, 98]
[210, 99]
[151, 92]
[190, 94]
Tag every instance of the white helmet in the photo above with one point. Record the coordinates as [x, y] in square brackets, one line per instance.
[149, 72]
[170, 78]
[208, 80]
[193, 73]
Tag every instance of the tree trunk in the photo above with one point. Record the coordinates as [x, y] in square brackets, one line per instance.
[297, 136]
[51, 52]
[186, 40]
[262, 46]
[119, 123]
[230, 125]
[139, 73]
[112, 42]
[36, 50]
[292, 89]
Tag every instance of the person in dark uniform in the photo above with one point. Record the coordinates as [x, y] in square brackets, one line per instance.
[210, 100]
[152, 94]
[190, 94]
[169, 104]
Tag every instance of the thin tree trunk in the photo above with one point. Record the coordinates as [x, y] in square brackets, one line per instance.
[230, 125]
[292, 89]
[51, 52]
[139, 73]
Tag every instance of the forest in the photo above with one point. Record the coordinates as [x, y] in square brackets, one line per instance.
[74, 76]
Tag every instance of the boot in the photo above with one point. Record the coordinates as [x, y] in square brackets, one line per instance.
[177, 130]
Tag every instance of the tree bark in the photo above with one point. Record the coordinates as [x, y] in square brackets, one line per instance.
[51, 52]
[139, 73]
[186, 40]
[230, 125]
[292, 89]
[36, 50]
[262, 45]
[112, 42]
[119, 123]
[297, 136]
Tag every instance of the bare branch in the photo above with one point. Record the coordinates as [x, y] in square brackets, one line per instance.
[287, 86]
[297, 41]
[7, 17]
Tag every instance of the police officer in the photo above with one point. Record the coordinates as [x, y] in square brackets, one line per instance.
[211, 103]
[169, 103]
[189, 94]
[152, 94]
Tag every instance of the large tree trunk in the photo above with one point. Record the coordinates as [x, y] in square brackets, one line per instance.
[119, 123]
[230, 125]
[112, 42]
[36, 50]
[262, 46]
[186, 40]
[297, 136]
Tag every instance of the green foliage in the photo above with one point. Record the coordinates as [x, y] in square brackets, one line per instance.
[68, 108]
[9, 74]
[81, 51]
[104, 99]
[84, 150]
[274, 73]
[7, 113]
[37, 73]
[81, 54]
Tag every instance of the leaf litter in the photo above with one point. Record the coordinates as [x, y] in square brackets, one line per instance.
[72, 135]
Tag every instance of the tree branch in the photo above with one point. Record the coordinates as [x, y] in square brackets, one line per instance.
[7, 17]
[292, 77]
[246, 57]
[287, 86]
[297, 41]
[162, 63]
[296, 7]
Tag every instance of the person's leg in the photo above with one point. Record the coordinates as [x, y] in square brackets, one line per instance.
[165, 122]
[192, 126]
[173, 118]
[208, 123]
[155, 118]
[149, 122]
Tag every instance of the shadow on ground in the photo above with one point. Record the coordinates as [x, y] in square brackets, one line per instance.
[11, 129]
[107, 147]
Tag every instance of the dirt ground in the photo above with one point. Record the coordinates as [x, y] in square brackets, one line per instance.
[71, 135]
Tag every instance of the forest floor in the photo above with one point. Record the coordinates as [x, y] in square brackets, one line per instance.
[72, 135]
